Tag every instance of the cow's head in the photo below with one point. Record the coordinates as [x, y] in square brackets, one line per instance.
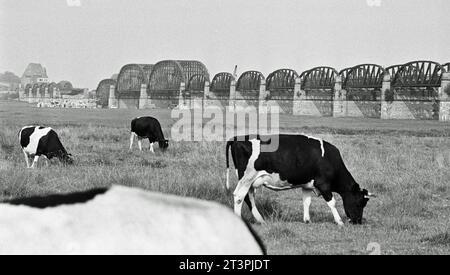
[354, 203]
[66, 158]
[163, 144]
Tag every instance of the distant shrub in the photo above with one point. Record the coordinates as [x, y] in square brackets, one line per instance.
[13, 95]
[9, 96]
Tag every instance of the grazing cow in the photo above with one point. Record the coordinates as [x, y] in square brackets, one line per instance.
[42, 141]
[147, 127]
[122, 220]
[299, 162]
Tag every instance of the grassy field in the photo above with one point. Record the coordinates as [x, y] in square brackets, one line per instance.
[406, 163]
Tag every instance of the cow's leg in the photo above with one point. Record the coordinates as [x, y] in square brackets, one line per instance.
[240, 193]
[332, 205]
[140, 143]
[47, 161]
[306, 197]
[324, 189]
[26, 159]
[131, 140]
[35, 161]
[239, 199]
[151, 148]
[255, 212]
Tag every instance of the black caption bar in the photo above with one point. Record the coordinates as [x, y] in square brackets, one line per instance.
[240, 264]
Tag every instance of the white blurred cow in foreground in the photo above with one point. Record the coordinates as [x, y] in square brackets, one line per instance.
[122, 220]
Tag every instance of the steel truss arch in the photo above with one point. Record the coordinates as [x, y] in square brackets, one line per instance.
[249, 81]
[130, 79]
[392, 70]
[102, 91]
[344, 73]
[364, 76]
[319, 78]
[168, 74]
[196, 83]
[419, 74]
[446, 66]
[283, 79]
[221, 83]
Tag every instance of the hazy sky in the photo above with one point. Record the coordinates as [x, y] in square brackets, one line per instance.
[88, 43]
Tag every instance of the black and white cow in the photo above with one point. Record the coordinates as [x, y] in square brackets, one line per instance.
[37, 141]
[299, 161]
[147, 127]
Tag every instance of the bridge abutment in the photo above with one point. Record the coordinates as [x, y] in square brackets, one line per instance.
[143, 96]
[338, 99]
[263, 107]
[112, 100]
[444, 98]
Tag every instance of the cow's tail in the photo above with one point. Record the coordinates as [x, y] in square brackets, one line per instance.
[227, 183]
[133, 123]
[19, 135]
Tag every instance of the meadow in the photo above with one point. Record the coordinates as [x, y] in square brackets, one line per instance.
[406, 163]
